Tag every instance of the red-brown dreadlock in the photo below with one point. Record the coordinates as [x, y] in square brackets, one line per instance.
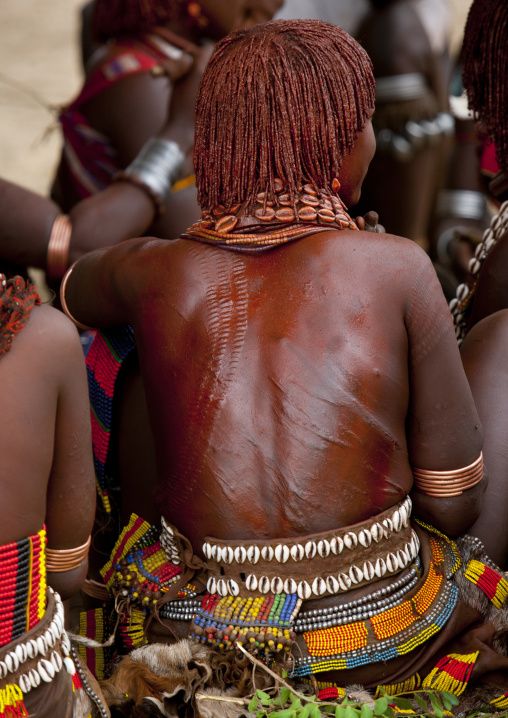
[286, 99]
[131, 17]
[485, 76]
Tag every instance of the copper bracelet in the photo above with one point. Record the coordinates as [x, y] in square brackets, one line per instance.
[57, 259]
[447, 484]
[60, 560]
[65, 308]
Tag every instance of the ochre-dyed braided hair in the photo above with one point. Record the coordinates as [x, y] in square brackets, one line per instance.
[485, 70]
[286, 99]
[131, 17]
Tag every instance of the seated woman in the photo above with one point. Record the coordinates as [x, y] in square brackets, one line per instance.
[48, 502]
[316, 439]
[146, 48]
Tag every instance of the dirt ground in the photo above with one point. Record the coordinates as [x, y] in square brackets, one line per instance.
[39, 52]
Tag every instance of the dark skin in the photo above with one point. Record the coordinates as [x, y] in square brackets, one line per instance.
[47, 473]
[491, 294]
[484, 357]
[403, 193]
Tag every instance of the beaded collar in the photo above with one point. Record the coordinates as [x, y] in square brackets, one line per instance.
[273, 222]
[17, 299]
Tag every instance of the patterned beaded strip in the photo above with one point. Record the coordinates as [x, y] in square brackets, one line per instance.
[22, 586]
[451, 673]
[331, 693]
[11, 702]
[132, 629]
[411, 684]
[501, 702]
[460, 305]
[45, 647]
[104, 360]
[457, 562]
[92, 625]
[141, 568]
[103, 712]
[405, 634]
[309, 207]
[492, 583]
[261, 624]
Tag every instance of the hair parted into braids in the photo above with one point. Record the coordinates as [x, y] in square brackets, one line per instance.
[131, 17]
[485, 70]
[286, 99]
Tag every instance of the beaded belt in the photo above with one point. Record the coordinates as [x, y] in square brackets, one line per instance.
[328, 563]
[22, 586]
[369, 635]
[36, 657]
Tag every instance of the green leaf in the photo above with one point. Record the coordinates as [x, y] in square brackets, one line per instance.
[263, 697]
[352, 712]
[286, 713]
[380, 706]
[421, 701]
[284, 695]
[304, 713]
[436, 704]
[340, 712]
[314, 711]
[389, 713]
[261, 714]
[403, 703]
[295, 702]
[284, 674]
[253, 704]
[366, 711]
[450, 698]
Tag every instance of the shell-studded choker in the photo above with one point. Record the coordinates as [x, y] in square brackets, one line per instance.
[271, 223]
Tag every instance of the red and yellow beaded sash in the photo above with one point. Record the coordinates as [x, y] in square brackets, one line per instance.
[22, 586]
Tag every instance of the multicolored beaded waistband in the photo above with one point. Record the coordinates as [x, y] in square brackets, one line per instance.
[22, 586]
[395, 630]
[141, 569]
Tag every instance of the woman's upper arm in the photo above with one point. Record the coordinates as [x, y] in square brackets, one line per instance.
[443, 427]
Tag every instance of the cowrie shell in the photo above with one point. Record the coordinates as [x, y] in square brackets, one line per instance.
[365, 538]
[281, 553]
[226, 223]
[396, 521]
[403, 514]
[206, 550]
[277, 585]
[66, 644]
[32, 648]
[332, 584]
[253, 554]
[355, 574]
[265, 215]
[251, 582]
[69, 665]
[304, 590]
[388, 524]
[310, 549]
[264, 584]
[50, 638]
[351, 540]
[228, 554]
[290, 586]
[211, 585]
[266, 552]
[391, 562]
[462, 292]
[56, 660]
[380, 567]
[55, 626]
[401, 558]
[307, 213]
[318, 586]
[12, 662]
[213, 552]
[24, 683]
[35, 678]
[408, 550]
[344, 581]
[334, 545]
[20, 651]
[285, 214]
[222, 588]
[323, 548]
[47, 667]
[240, 554]
[233, 587]
[3, 669]
[377, 533]
[297, 552]
[368, 571]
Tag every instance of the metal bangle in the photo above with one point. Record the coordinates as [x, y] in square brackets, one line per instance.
[58, 247]
[65, 308]
[396, 88]
[157, 166]
[462, 203]
[60, 560]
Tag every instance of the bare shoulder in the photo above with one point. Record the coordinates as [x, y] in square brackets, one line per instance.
[51, 338]
[490, 335]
